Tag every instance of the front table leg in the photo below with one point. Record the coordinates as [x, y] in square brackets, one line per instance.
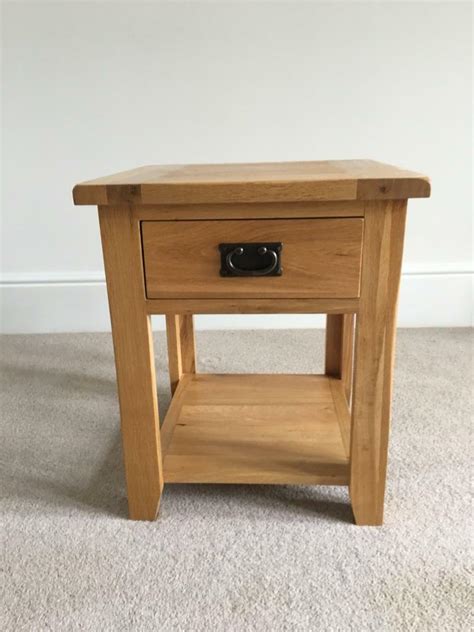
[374, 349]
[134, 361]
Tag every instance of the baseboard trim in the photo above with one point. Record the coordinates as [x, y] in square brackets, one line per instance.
[431, 296]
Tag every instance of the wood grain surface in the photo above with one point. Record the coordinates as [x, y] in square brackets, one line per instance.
[252, 306]
[254, 182]
[339, 349]
[256, 429]
[134, 361]
[374, 354]
[181, 347]
[320, 257]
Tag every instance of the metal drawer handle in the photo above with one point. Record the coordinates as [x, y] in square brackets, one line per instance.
[245, 260]
[261, 272]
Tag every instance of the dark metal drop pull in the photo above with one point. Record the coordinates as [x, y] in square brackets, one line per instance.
[254, 260]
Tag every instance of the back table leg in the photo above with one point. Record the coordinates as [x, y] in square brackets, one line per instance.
[181, 347]
[339, 349]
[374, 350]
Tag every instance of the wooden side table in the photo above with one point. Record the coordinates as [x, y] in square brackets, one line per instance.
[307, 237]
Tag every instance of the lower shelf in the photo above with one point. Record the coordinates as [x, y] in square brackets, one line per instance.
[280, 429]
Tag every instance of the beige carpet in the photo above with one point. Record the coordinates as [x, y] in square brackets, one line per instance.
[228, 558]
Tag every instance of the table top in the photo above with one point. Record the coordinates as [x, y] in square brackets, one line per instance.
[254, 182]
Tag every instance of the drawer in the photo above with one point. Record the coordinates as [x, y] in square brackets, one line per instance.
[320, 258]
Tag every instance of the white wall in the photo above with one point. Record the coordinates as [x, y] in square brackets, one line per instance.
[93, 88]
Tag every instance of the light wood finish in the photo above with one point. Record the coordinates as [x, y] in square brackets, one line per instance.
[275, 210]
[181, 346]
[320, 258]
[263, 182]
[347, 362]
[167, 429]
[339, 349]
[341, 407]
[374, 348]
[255, 429]
[134, 360]
[252, 306]
[342, 227]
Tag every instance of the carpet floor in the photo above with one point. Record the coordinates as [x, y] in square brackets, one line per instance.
[228, 558]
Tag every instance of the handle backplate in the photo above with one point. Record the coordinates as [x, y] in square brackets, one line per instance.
[251, 260]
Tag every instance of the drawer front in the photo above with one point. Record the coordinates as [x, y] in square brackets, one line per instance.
[320, 258]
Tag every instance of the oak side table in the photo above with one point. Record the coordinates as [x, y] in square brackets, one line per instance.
[302, 237]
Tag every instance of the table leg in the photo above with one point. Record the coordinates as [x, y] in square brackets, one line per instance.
[134, 361]
[339, 349]
[181, 346]
[374, 348]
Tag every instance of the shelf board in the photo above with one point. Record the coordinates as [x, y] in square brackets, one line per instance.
[280, 429]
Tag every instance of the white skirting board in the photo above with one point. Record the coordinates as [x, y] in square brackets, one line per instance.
[429, 297]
